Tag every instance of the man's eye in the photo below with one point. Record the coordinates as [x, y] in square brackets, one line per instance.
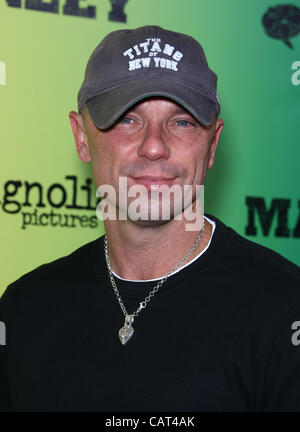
[125, 120]
[183, 123]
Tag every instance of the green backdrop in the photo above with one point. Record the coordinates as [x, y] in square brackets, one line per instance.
[44, 47]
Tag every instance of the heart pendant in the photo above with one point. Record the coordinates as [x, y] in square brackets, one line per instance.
[125, 333]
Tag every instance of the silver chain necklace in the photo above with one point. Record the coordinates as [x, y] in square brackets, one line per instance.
[127, 330]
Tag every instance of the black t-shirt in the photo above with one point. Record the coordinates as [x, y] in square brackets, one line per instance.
[219, 335]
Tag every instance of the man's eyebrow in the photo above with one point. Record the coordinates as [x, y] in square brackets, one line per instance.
[181, 110]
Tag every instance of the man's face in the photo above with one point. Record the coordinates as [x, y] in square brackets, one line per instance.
[156, 142]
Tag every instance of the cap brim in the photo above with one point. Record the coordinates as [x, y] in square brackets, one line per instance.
[108, 106]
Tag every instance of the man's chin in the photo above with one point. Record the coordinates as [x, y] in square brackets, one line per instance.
[148, 223]
[153, 215]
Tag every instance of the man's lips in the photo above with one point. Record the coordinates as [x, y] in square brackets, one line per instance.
[149, 180]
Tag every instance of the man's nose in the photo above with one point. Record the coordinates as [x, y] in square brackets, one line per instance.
[153, 145]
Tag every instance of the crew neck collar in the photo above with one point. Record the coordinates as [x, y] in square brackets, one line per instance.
[119, 278]
[219, 245]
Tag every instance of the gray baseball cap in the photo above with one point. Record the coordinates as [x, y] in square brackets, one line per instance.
[130, 65]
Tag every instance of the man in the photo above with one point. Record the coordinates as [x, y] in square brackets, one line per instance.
[154, 316]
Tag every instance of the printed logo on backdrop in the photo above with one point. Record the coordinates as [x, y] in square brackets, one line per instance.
[117, 11]
[66, 204]
[282, 22]
[58, 205]
[276, 215]
[72, 7]
[151, 49]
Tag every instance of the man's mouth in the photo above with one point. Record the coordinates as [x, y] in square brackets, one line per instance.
[153, 182]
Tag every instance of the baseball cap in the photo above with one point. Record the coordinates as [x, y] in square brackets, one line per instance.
[130, 65]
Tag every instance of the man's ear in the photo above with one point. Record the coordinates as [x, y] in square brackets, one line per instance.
[80, 136]
[218, 129]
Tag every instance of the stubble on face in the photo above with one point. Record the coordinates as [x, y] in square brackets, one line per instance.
[133, 166]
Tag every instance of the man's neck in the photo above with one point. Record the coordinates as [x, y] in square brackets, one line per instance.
[141, 253]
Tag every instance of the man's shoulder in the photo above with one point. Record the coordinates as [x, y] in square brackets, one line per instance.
[63, 270]
[253, 259]
[261, 283]
[268, 260]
